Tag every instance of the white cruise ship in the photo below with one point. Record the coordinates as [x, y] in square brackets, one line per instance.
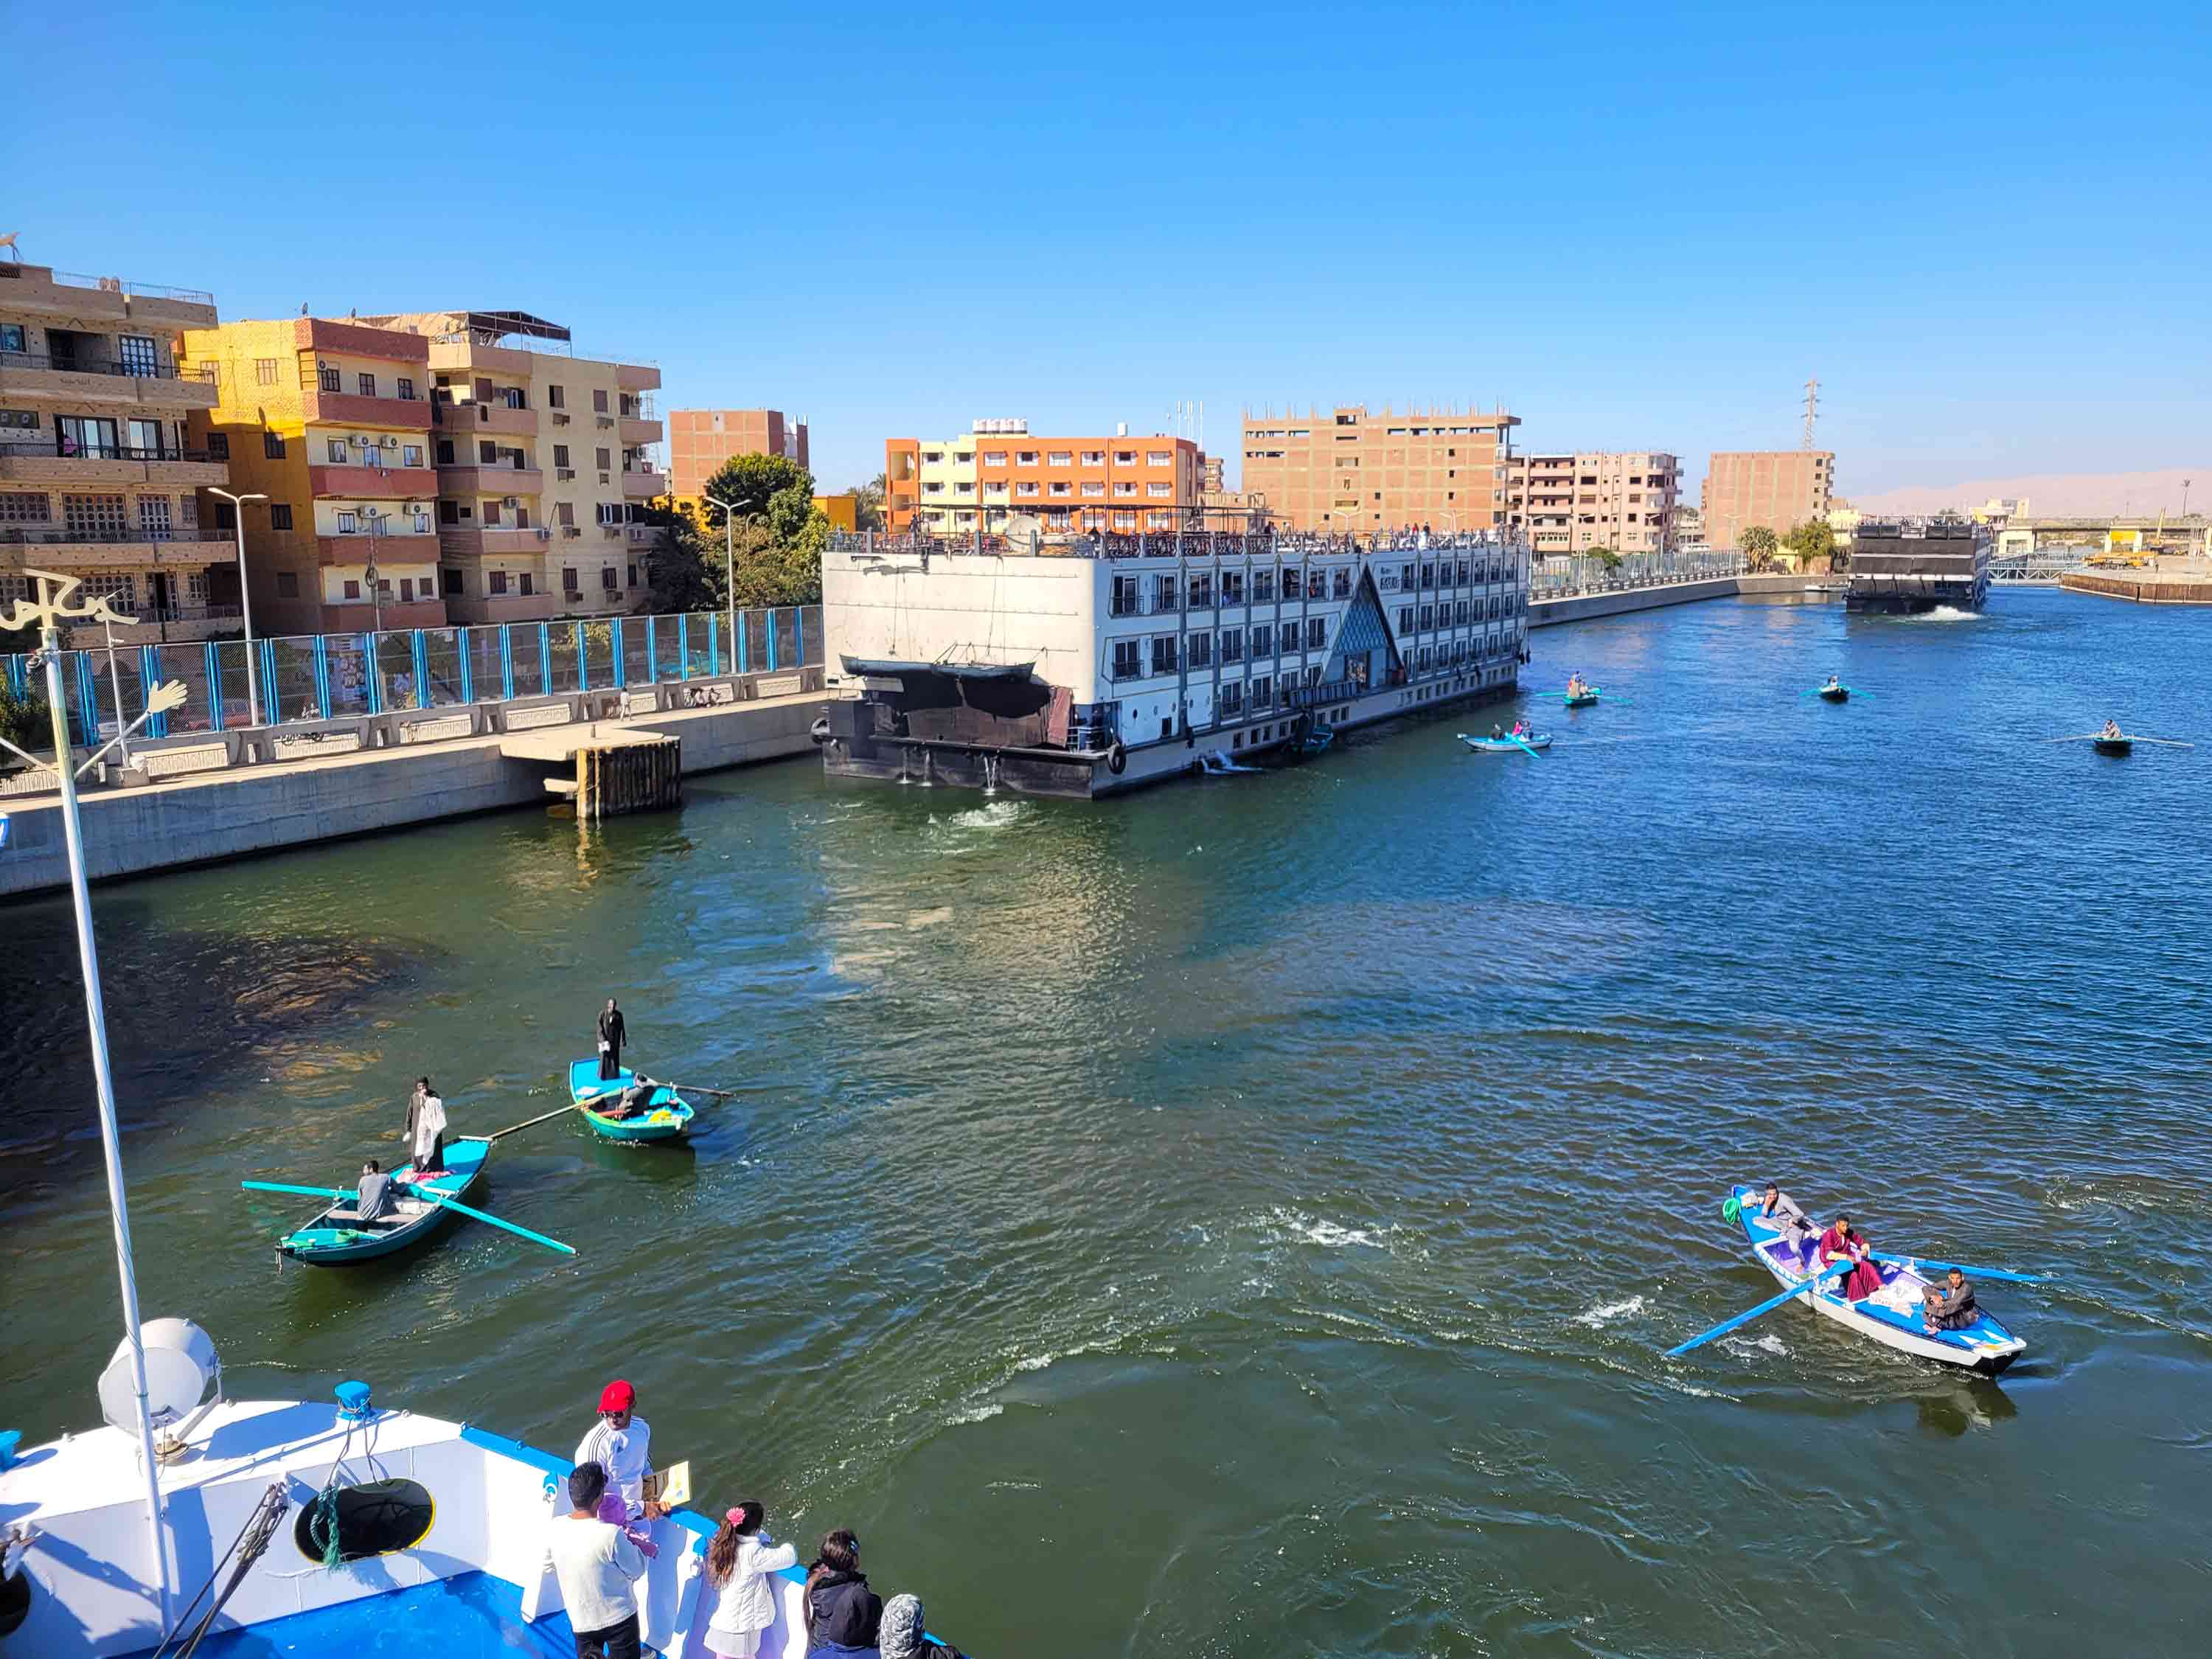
[1086, 665]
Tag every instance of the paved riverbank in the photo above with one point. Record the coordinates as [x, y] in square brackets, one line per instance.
[202, 819]
[2191, 587]
[1582, 607]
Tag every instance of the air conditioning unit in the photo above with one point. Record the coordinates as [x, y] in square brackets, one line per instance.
[512, 500]
[543, 534]
[564, 474]
[560, 420]
[605, 477]
[388, 442]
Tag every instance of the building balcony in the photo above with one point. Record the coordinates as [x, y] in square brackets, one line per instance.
[643, 486]
[350, 409]
[490, 418]
[638, 430]
[355, 549]
[499, 542]
[175, 624]
[396, 615]
[467, 611]
[72, 550]
[43, 462]
[39, 291]
[491, 481]
[83, 379]
[467, 356]
[375, 484]
[638, 377]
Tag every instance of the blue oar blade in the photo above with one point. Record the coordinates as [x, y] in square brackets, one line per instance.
[1534, 753]
[303, 1192]
[1768, 1306]
[479, 1215]
[1945, 1267]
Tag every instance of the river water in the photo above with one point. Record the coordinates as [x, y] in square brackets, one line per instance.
[1245, 1219]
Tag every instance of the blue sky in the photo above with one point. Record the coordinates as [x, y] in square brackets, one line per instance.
[1988, 231]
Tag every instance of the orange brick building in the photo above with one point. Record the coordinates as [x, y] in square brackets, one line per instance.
[701, 440]
[1780, 489]
[1353, 470]
[1001, 469]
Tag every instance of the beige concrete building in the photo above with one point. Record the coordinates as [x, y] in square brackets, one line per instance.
[98, 465]
[1568, 504]
[701, 440]
[543, 462]
[1780, 489]
[1354, 471]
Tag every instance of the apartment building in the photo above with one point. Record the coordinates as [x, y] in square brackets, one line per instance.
[701, 440]
[1780, 489]
[99, 464]
[330, 423]
[1569, 504]
[1354, 470]
[544, 464]
[1000, 469]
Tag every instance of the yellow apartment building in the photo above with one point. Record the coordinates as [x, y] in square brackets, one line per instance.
[331, 422]
[99, 467]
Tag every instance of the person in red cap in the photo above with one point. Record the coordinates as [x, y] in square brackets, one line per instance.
[621, 1442]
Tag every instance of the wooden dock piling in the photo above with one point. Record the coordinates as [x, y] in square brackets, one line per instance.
[641, 774]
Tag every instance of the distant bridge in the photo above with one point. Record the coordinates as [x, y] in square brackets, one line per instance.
[2126, 533]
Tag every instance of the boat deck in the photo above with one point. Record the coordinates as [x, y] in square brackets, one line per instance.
[475, 1616]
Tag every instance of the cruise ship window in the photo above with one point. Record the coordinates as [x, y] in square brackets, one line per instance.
[1405, 576]
[1343, 585]
[1316, 633]
[1405, 620]
[1232, 588]
[1263, 641]
[1201, 593]
[1263, 587]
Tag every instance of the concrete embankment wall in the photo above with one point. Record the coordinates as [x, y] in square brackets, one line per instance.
[265, 808]
[1581, 607]
[2166, 591]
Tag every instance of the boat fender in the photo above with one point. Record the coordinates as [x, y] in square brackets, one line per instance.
[1730, 1209]
[819, 731]
[1117, 758]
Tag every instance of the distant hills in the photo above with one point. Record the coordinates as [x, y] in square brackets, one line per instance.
[2058, 496]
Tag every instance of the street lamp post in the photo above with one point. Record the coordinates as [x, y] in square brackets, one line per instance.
[376, 596]
[245, 600]
[729, 569]
[51, 605]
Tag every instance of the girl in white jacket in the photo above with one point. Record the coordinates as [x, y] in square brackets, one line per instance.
[740, 1557]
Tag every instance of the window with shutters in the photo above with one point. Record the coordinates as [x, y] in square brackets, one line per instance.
[599, 402]
[568, 582]
[264, 371]
[556, 396]
[367, 384]
[218, 445]
[272, 447]
[327, 378]
[280, 515]
[496, 582]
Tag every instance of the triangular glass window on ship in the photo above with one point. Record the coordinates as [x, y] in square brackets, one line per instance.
[1365, 653]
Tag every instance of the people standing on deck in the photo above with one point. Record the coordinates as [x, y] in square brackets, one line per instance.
[739, 1558]
[596, 1565]
[1950, 1308]
[621, 1441]
[611, 1037]
[844, 1617]
[373, 1193]
[426, 1127]
[1845, 1240]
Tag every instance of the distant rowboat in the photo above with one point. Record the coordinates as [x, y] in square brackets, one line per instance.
[2114, 745]
[1505, 745]
[667, 1115]
[1835, 694]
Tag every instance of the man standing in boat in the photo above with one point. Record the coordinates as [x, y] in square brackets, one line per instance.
[611, 1036]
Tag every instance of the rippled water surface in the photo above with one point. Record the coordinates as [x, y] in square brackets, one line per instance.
[1245, 1219]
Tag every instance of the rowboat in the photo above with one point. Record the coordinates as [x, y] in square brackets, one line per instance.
[2114, 745]
[1892, 1315]
[1581, 699]
[667, 1116]
[1835, 694]
[1317, 739]
[1505, 745]
[338, 1235]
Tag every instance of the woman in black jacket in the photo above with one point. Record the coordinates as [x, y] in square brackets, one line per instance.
[843, 1615]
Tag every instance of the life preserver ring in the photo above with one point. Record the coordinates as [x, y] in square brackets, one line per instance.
[820, 729]
[1117, 758]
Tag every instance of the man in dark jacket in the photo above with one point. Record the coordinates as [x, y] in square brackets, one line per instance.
[1951, 1309]
[611, 1034]
[843, 1615]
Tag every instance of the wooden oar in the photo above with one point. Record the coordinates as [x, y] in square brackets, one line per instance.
[304, 1191]
[1839, 1265]
[694, 1089]
[479, 1215]
[2170, 743]
[1537, 753]
[546, 1117]
[1945, 1267]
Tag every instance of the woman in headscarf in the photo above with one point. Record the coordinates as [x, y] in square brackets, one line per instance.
[902, 1633]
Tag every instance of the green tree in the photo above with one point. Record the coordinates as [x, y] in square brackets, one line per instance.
[1605, 555]
[1814, 539]
[1757, 545]
[751, 482]
[868, 503]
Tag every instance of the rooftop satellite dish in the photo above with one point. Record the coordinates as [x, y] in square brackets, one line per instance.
[1024, 533]
[180, 1362]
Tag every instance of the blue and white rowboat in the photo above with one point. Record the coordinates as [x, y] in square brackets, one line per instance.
[1893, 1316]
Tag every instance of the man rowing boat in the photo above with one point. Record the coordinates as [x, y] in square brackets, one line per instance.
[2112, 730]
[1951, 1308]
